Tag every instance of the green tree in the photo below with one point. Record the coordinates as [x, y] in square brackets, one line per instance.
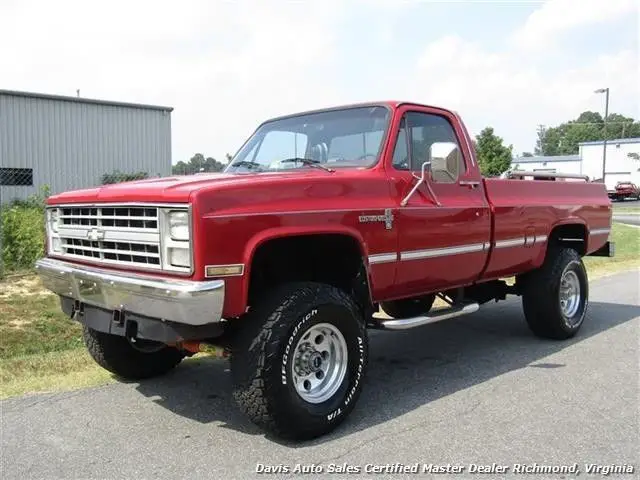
[493, 157]
[198, 163]
[117, 177]
[588, 127]
[527, 154]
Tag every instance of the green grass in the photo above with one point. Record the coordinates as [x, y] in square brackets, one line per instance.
[620, 208]
[41, 348]
[35, 325]
[627, 252]
[50, 372]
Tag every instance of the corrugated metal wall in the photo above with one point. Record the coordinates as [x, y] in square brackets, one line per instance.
[71, 144]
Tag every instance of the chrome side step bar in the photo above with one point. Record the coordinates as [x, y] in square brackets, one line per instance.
[406, 323]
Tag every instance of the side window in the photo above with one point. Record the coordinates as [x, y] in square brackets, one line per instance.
[400, 151]
[432, 138]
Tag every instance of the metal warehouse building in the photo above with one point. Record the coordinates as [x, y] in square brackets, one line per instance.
[71, 142]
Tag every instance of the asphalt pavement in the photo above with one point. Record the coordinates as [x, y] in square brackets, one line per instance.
[630, 218]
[627, 219]
[474, 390]
[626, 204]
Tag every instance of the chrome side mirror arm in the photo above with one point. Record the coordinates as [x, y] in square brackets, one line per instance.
[421, 179]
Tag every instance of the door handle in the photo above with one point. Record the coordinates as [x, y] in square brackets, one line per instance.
[469, 183]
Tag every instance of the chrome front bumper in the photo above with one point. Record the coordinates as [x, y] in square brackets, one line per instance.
[174, 300]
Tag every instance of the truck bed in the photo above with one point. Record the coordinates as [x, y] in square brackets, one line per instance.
[526, 212]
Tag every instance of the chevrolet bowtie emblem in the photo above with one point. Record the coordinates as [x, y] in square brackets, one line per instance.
[94, 234]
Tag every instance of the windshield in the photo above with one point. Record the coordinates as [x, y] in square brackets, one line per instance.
[350, 137]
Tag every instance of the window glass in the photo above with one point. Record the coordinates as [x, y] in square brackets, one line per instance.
[432, 139]
[16, 177]
[346, 138]
[278, 145]
[358, 147]
[400, 153]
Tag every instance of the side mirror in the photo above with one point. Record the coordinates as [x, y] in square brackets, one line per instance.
[425, 173]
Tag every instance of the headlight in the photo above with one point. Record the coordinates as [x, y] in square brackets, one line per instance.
[175, 236]
[179, 257]
[179, 226]
[52, 215]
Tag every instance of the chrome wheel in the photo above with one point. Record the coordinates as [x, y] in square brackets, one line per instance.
[569, 294]
[319, 363]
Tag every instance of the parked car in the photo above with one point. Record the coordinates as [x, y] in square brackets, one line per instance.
[625, 190]
[319, 220]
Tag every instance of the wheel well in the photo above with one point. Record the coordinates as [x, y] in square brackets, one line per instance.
[572, 235]
[335, 259]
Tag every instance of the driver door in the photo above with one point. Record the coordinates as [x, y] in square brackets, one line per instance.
[445, 226]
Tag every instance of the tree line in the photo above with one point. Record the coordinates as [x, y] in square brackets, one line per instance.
[199, 163]
[564, 139]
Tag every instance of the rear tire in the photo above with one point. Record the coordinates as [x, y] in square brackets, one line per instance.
[410, 307]
[283, 343]
[116, 354]
[556, 295]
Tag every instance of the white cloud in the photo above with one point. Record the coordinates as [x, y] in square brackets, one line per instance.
[515, 90]
[557, 17]
[227, 65]
[224, 66]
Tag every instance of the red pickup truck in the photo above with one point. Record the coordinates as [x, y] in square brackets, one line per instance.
[284, 259]
[625, 190]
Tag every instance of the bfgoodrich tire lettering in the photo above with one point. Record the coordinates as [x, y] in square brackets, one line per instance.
[264, 350]
[542, 300]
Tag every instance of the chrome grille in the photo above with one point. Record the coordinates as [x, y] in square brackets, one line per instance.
[121, 217]
[111, 234]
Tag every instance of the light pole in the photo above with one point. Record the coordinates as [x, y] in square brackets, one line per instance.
[606, 114]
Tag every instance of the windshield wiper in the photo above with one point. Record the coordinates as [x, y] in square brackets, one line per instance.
[309, 162]
[249, 164]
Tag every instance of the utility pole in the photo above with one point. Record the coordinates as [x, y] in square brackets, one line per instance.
[604, 143]
[541, 129]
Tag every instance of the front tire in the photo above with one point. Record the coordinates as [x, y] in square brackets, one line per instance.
[298, 363]
[116, 354]
[556, 296]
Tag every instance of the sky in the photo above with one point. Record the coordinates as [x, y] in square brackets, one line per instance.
[226, 66]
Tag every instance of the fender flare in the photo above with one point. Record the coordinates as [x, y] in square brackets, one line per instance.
[572, 220]
[267, 235]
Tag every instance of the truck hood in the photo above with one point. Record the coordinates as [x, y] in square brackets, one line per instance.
[175, 189]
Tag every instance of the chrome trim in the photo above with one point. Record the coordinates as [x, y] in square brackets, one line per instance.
[241, 265]
[513, 242]
[340, 210]
[383, 258]
[469, 183]
[169, 299]
[441, 252]
[513, 174]
[157, 236]
[541, 238]
[407, 323]
[600, 231]
[118, 204]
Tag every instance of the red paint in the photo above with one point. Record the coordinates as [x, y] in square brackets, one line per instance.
[235, 213]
